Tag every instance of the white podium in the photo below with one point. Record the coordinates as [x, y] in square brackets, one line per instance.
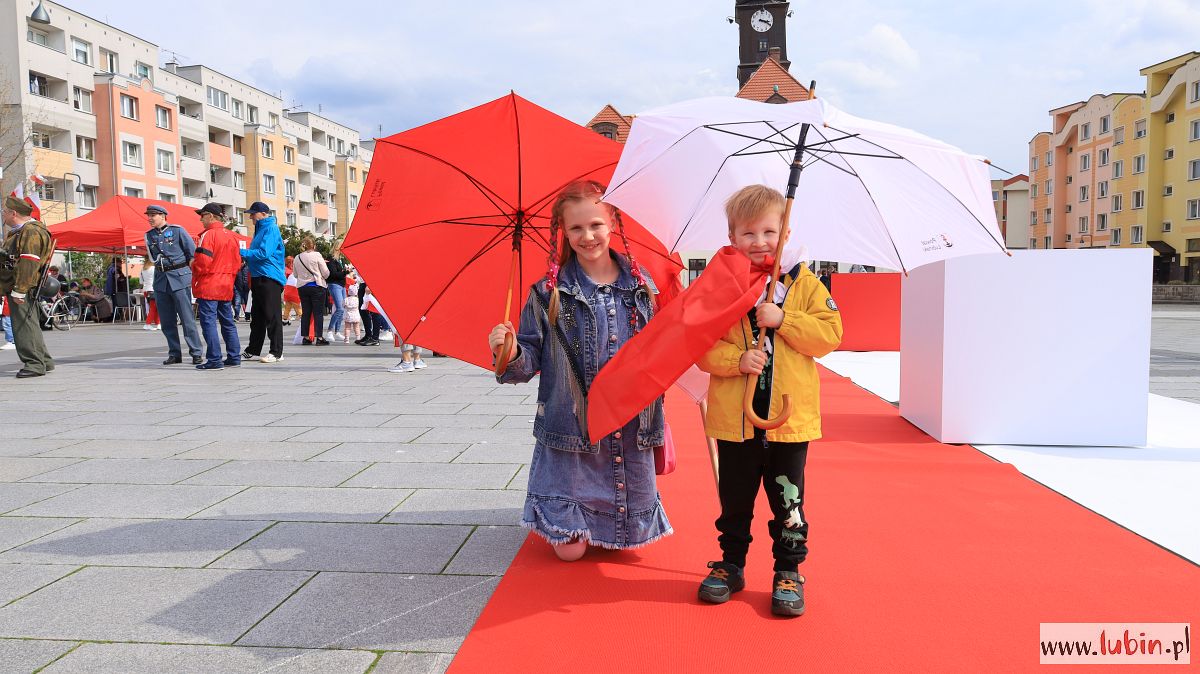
[1047, 347]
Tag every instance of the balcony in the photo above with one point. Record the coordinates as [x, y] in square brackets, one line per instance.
[49, 87]
[194, 169]
[196, 189]
[223, 194]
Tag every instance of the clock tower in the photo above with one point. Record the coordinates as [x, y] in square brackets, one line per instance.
[762, 24]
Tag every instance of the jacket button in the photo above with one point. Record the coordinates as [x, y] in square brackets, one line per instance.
[612, 312]
[612, 338]
[618, 459]
[620, 485]
[617, 435]
[621, 509]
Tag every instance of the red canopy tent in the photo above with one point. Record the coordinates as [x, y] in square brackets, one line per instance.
[119, 226]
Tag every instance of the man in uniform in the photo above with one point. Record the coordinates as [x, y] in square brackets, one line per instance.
[27, 247]
[172, 249]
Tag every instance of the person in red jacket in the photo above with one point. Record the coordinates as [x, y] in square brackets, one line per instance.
[213, 270]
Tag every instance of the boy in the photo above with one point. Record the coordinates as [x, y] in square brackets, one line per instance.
[800, 322]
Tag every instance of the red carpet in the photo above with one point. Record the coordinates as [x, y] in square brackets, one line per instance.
[923, 558]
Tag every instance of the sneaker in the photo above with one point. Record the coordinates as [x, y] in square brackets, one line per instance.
[385, 335]
[269, 358]
[321, 341]
[157, 326]
[787, 597]
[148, 327]
[8, 346]
[217, 365]
[369, 342]
[401, 367]
[331, 336]
[346, 339]
[246, 355]
[232, 362]
[287, 322]
[419, 364]
[722, 582]
[306, 342]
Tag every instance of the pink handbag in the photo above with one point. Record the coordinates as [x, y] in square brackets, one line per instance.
[664, 454]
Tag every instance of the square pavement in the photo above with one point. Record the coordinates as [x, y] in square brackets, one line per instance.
[318, 515]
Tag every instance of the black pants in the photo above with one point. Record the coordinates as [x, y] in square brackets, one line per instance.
[371, 325]
[266, 316]
[778, 467]
[312, 306]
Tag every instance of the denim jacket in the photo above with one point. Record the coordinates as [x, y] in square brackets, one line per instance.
[561, 421]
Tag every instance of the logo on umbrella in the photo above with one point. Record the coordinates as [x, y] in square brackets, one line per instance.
[946, 240]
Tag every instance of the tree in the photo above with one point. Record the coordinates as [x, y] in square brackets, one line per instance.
[85, 265]
[293, 236]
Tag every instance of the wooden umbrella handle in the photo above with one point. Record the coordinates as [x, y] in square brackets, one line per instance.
[506, 350]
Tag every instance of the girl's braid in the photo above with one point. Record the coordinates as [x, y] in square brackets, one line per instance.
[633, 265]
[553, 267]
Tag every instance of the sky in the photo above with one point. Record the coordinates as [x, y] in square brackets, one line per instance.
[978, 75]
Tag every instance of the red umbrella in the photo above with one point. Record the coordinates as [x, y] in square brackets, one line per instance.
[455, 216]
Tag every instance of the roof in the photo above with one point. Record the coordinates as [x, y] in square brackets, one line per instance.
[771, 74]
[609, 114]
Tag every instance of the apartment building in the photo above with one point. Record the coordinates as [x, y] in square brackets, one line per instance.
[1123, 170]
[100, 117]
[1010, 197]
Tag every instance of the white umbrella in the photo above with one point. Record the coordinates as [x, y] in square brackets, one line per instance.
[870, 192]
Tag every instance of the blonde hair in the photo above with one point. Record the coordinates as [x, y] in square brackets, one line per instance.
[751, 202]
[308, 244]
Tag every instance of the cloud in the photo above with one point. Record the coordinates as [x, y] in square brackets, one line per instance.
[886, 43]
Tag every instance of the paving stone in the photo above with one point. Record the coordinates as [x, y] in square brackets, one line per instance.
[327, 406]
[114, 542]
[125, 432]
[506, 408]
[331, 420]
[13, 496]
[400, 407]
[497, 453]
[240, 433]
[124, 449]
[226, 419]
[251, 450]
[392, 453]
[386, 548]
[17, 580]
[122, 417]
[281, 473]
[20, 656]
[521, 481]
[413, 663]
[377, 611]
[130, 500]
[460, 506]
[16, 531]
[14, 469]
[309, 504]
[489, 551]
[332, 434]
[478, 435]
[190, 606]
[16, 431]
[26, 447]
[435, 475]
[512, 422]
[158, 658]
[127, 471]
[442, 421]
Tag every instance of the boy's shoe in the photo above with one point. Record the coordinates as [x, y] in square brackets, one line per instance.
[401, 367]
[269, 358]
[722, 581]
[216, 365]
[369, 342]
[419, 364]
[246, 355]
[321, 341]
[232, 362]
[307, 342]
[787, 595]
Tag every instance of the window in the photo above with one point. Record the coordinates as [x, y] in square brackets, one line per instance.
[1118, 169]
[291, 218]
[1049, 187]
[82, 99]
[1168, 190]
[1169, 153]
[1083, 193]
[218, 98]
[289, 154]
[252, 114]
[46, 191]
[81, 52]
[1139, 129]
[353, 174]
[1166, 227]
[341, 146]
[1083, 225]
[1194, 169]
[1102, 189]
[129, 107]
[239, 180]
[268, 149]
[143, 71]
[1032, 190]
[1139, 199]
[289, 189]
[1104, 157]
[1101, 222]
[41, 139]
[1032, 244]
[1049, 159]
[1117, 203]
[131, 154]
[1068, 238]
[1086, 131]
[38, 85]
[1048, 243]
[353, 202]
[108, 62]
[1170, 117]
[1049, 211]
[1118, 135]
[1115, 240]
[134, 192]
[273, 119]
[166, 161]
[237, 145]
[1033, 217]
[87, 198]
[995, 195]
[1139, 164]
[1195, 133]
[1193, 213]
[37, 37]
[1135, 234]
[1105, 124]
[1195, 91]
[238, 109]
[167, 197]
[1085, 161]
[85, 148]
[269, 184]
[162, 117]
[1033, 163]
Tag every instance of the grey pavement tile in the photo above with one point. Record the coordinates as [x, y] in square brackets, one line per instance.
[257, 450]
[27, 447]
[520, 482]
[392, 452]
[334, 420]
[281, 473]
[489, 551]
[513, 422]
[309, 504]
[14, 431]
[463, 398]
[348, 406]
[13, 496]
[16, 531]
[473, 435]
[390, 407]
[463, 382]
[207, 606]
[18, 580]
[441, 421]
[22, 656]
[343, 546]
[127, 471]
[413, 663]
[501, 408]
[207, 418]
[239, 433]
[125, 449]
[15, 469]
[130, 500]
[435, 475]
[126, 432]
[460, 506]
[158, 658]
[114, 542]
[122, 417]
[378, 611]
[497, 453]
[332, 434]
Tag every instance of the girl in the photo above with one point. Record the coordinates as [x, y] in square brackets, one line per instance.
[148, 288]
[352, 319]
[590, 304]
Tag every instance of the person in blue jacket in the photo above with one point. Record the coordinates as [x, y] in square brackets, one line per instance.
[264, 259]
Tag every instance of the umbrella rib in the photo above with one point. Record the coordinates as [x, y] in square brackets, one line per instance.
[457, 221]
[696, 207]
[520, 175]
[486, 191]
[662, 154]
[880, 212]
[487, 247]
[541, 203]
[939, 184]
[782, 145]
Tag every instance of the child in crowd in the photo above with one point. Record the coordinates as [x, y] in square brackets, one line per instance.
[352, 319]
[776, 342]
[579, 493]
[147, 278]
[291, 294]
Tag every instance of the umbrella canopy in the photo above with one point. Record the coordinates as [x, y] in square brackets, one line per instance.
[870, 192]
[119, 225]
[446, 205]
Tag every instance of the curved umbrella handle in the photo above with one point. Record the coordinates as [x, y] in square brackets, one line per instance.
[504, 354]
[757, 421]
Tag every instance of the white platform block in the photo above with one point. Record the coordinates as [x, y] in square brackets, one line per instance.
[1048, 347]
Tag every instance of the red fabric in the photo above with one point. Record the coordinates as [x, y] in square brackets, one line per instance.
[120, 225]
[213, 275]
[151, 312]
[291, 294]
[445, 196]
[930, 558]
[870, 308]
[680, 333]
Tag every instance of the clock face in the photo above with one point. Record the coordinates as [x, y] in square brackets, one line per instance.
[762, 21]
